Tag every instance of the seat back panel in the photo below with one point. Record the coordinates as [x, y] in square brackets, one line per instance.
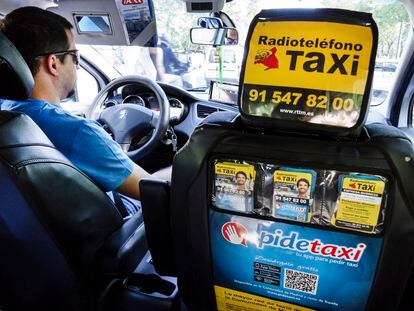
[193, 213]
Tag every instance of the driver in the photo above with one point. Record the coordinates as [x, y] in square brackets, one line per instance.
[46, 43]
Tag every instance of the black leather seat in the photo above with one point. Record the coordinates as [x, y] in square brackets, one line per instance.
[62, 240]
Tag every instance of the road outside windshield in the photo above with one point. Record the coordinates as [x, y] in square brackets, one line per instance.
[177, 61]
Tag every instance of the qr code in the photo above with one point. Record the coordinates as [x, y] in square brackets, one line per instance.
[301, 217]
[301, 281]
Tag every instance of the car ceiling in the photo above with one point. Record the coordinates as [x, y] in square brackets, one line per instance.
[7, 6]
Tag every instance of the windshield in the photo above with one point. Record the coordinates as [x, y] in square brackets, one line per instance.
[177, 61]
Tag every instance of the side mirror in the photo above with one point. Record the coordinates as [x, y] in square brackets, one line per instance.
[220, 36]
[210, 22]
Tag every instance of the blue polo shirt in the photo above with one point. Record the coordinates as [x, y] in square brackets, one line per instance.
[84, 142]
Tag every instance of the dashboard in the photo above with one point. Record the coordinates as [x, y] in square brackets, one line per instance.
[186, 110]
[150, 101]
[184, 106]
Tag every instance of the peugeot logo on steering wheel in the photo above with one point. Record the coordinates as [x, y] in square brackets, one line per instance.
[122, 114]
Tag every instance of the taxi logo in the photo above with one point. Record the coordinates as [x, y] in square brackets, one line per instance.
[225, 170]
[128, 2]
[234, 233]
[364, 186]
[286, 178]
[268, 58]
[294, 242]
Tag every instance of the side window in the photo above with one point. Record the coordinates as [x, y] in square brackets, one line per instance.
[87, 86]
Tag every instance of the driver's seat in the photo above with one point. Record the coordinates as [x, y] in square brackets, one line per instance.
[62, 240]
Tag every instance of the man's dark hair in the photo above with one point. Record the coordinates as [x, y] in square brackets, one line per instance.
[243, 173]
[34, 32]
[304, 180]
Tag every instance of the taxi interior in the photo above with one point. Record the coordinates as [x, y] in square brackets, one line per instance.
[64, 246]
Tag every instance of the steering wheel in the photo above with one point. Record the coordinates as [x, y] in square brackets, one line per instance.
[128, 121]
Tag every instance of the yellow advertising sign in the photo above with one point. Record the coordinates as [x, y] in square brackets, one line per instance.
[310, 54]
[360, 204]
[228, 299]
[309, 71]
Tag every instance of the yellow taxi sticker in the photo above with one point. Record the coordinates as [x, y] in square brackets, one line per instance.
[359, 204]
[228, 299]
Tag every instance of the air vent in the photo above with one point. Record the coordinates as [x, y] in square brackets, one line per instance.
[204, 111]
[202, 6]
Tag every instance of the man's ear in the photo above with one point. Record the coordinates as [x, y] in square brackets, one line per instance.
[52, 64]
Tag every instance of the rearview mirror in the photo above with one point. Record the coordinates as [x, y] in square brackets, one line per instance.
[220, 36]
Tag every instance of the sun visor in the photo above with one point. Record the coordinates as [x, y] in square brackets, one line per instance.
[111, 22]
[308, 70]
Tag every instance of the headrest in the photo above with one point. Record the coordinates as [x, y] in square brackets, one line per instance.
[308, 70]
[16, 80]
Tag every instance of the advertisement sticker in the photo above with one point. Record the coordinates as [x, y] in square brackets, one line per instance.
[360, 202]
[293, 193]
[136, 15]
[234, 184]
[292, 264]
[311, 71]
[228, 299]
